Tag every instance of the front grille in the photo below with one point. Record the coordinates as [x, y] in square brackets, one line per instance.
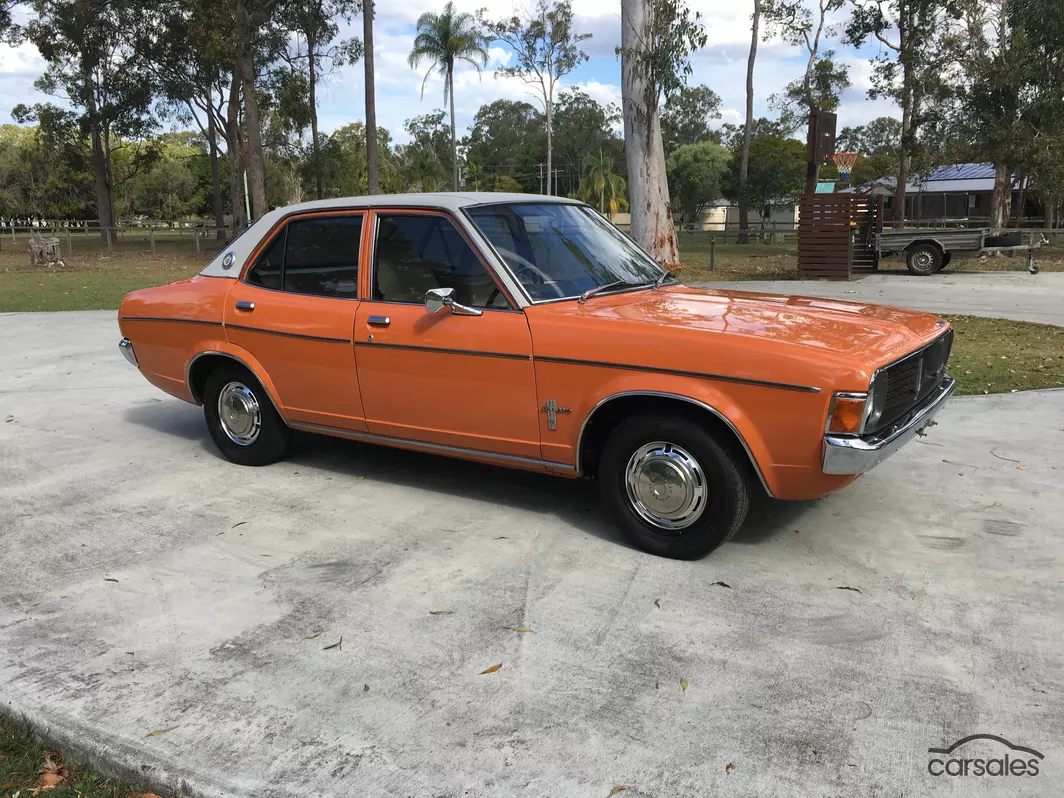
[912, 379]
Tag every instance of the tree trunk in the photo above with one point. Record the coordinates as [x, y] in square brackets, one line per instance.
[652, 227]
[315, 141]
[454, 142]
[549, 105]
[748, 130]
[908, 110]
[216, 177]
[1021, 200]
[1051, 212]
[245, 62]
[104, 205]
[235, 155]
[372, 176]
[1001, 197]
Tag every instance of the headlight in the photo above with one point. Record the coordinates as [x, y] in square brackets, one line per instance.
[847, 413]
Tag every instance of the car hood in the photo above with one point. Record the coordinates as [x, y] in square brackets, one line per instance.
[809, 329]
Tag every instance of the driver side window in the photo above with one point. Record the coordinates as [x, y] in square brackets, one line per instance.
[416, 252]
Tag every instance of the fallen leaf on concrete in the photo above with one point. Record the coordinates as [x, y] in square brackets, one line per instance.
[131, 653]
[657, 685]
[441, 612]
[730, 767]
[617, 789]
[501, 537]
[683, 682]
[1006, 459]
[109, 579]
[521, 629]
[313, 636]
[9, 419]
[1019, 466]
[492, 669]
[657, 603]
[160, 732]
[365, 688]
[359, 479]
[721, 584]
[338, 644]
[265, 555]
[847, 587]
[238, 523]
[455, 531]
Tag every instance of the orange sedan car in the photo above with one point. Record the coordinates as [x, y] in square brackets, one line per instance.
[526, 331]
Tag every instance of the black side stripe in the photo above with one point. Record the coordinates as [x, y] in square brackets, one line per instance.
[176, 321]
[677, 372]
[300, 336]
[442, 351]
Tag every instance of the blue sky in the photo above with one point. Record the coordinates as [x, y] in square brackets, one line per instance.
[721, 65]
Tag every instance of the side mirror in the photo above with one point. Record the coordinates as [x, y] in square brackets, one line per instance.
[436, 299]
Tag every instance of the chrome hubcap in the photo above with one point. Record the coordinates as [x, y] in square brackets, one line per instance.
[239, 414]
[666, 485]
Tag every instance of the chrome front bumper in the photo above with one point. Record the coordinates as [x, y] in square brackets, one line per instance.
[125, 346]
[852, 455]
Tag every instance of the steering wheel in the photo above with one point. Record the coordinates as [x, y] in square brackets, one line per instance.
[527, 272]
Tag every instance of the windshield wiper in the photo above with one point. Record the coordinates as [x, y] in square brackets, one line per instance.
[584, 297]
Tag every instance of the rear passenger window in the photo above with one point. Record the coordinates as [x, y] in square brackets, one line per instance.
[317, 256]
[321, 256]
[267, 269]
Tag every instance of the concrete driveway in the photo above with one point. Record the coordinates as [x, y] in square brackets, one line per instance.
[1004, 295]
[148, 586]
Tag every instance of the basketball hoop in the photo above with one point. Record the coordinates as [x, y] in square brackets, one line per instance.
[845, 161]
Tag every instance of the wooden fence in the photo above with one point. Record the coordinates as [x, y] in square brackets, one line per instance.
[835, 234]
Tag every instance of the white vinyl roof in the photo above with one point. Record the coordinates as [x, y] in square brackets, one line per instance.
[230, 261]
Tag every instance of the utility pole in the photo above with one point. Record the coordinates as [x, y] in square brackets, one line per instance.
[541, 166]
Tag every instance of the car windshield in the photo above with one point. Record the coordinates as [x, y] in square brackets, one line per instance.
[561, 251]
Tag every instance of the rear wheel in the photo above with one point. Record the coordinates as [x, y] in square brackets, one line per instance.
[671, 487]
[241, 418]
[923, 259]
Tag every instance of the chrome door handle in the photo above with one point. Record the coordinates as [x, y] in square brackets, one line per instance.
[379, 321]
[248, 306]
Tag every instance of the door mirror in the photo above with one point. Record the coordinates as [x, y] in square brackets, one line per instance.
[436, 299]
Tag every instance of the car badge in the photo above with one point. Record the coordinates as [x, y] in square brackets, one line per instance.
[227, 261]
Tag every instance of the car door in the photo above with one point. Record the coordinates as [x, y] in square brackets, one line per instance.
[294, 310]
[464, 381]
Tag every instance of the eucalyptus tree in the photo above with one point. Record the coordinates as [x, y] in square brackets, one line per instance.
[545, 49]
[96, 53]
[748, 129]
[657, 37]
[314, 25]
[443, 40]
[373, 184]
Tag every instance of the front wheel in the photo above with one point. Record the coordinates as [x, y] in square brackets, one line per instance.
[241, 418]
[672, 488]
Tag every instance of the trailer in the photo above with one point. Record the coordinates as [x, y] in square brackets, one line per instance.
[928, 251]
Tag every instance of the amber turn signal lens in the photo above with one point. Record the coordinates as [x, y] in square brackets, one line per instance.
[847, 415]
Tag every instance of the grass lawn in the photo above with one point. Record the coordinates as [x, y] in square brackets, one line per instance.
[92, 281]
[28, 767]
[999, 355]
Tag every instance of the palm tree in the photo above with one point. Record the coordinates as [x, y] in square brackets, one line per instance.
[443, 39]
[599, 180]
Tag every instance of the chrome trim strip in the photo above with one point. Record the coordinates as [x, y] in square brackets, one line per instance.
[436, 448]
[855, 455]
[689, 400]
[442, 351]
[125, 346]
[175, 320]
[300, 336]
[679, 373]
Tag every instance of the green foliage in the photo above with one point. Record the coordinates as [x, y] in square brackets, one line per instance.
[776, 175]
[601, 186]
[696, 176]
[881, 136]
[582, 128]
[507, 138]
[820, 88]
[686, 115]
[445, 39]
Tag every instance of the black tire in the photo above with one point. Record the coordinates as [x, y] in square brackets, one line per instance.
[272, 438]
[726, 480]
[945, 260]
[923, 259]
